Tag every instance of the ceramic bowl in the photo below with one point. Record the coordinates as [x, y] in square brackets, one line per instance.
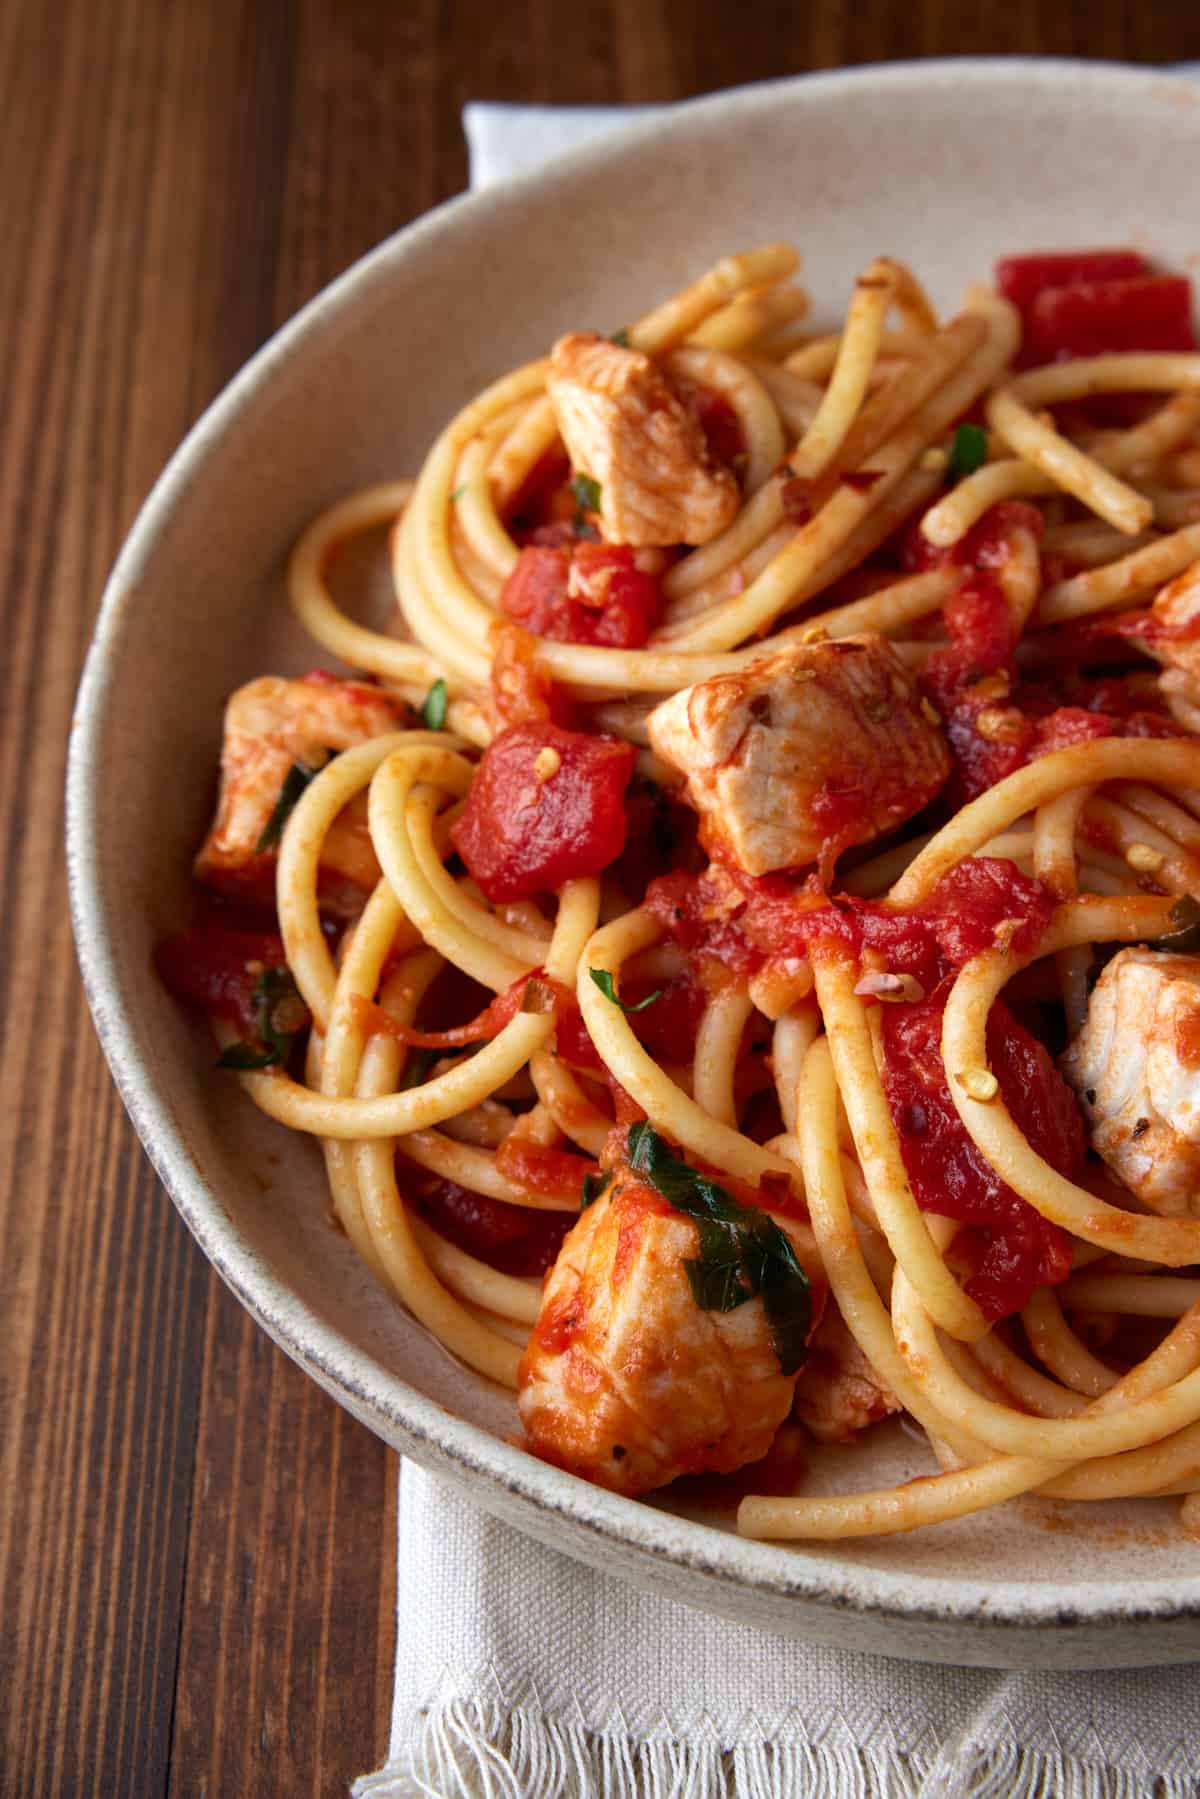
[946, 164]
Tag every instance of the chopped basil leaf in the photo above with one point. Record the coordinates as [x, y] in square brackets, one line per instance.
[433, 712]
[621, 337]
[295, 781]
[593, 1187]
[968, 451]
[743, 1252]
[245, 1056]
[587, 493]
[279, 1013]
[419, 1063]
[1185, 916]
[459, 492]
[604, 981]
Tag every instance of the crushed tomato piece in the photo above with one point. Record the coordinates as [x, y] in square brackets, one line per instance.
[513, 1239]
[553, 1173]
[521, 691]
[1014, 1248]
[217, 967]
[1022, 278]
[519, 835]
[580, 592]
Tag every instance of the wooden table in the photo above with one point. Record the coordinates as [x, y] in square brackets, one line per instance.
[196, 1546]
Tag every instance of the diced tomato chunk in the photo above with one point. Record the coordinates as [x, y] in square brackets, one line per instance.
[1016, 1249]
[1093, 302]
[1151, 312]
[1022, 278]
[546, 806]
[582, 593]
[218, 968]
[515, 1239]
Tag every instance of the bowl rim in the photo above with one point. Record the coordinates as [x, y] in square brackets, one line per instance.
[381, 1398]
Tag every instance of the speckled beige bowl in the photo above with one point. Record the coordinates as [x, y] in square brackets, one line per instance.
[943, 163]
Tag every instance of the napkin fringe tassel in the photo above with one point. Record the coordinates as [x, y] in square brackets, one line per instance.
[476, 1749]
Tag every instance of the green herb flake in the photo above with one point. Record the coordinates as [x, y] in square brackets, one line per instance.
[295, 781]
[459, 492]
[437, 701]
[587, 493]
[593, 1187]
[621, 337]
[743, 1253]
[1184, 939]
[243, 1057]
[419, 1063]
[279, 1014]
[604, 981]
[968, 451]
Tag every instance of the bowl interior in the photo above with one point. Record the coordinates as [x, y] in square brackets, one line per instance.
[945, 165]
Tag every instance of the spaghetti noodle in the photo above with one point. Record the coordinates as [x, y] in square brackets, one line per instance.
[787, 754]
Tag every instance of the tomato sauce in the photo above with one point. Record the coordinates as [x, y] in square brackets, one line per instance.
[552, 1173]
[723, 434]
[994, 720]
[1013, 1248]
[513, 1239]
[218, 967]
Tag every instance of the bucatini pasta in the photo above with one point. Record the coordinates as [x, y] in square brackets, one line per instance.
[737, 943]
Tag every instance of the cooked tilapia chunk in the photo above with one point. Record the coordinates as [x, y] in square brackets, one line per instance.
[270, 724]
[624, 427]
[1173, 638]
[627, 1380]
[1136, 1068]
[816, 747]
[838, 1392]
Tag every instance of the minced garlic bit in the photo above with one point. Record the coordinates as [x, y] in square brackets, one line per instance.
[883, 984]
[998, 723]
[978, 1083]
[933, 461]
[1143, 859]
[1004, 933]
[804, 674]
[547, 762]
[813, 634]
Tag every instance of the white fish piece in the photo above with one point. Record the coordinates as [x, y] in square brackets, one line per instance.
[627, 1380]
[1173, 638]
[270, 724]
[1174, 634]
[820, 743]
[1135, 1067]
[624, 427]
[838, 1392]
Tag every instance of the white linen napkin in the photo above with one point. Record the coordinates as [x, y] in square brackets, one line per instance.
[521, 1674]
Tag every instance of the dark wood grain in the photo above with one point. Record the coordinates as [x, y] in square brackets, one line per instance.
[195, 1545]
